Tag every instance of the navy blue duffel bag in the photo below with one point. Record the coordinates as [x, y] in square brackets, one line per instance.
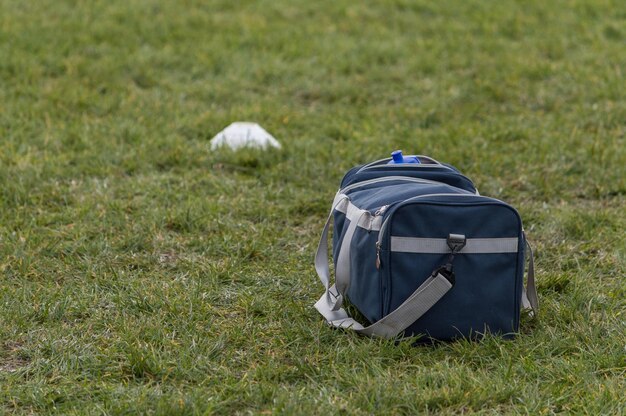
[418, 251]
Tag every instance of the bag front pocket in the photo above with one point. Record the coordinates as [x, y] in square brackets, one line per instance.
[488, 269]
[483, 299]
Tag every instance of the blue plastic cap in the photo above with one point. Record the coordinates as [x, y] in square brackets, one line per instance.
[397, 156]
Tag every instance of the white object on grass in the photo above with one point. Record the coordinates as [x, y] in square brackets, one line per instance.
[244, 134]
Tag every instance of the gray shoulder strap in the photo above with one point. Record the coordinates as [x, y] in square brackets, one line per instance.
[391, 325]
[329, 305]
[332, 298]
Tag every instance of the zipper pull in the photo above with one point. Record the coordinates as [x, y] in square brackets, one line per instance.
[378, 213]
[381, 210]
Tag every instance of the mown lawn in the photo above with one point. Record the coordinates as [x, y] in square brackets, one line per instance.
[142, 273]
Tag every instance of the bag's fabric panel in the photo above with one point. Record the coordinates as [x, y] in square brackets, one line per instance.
[487, 287]
[374, 197]
[339, 230]
[484, 293]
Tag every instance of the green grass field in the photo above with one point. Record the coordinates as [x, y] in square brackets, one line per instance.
[142, 273]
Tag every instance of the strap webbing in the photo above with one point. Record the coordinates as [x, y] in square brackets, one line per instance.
[391, 325]
[530, 300]
[321, 259]
[440, 245]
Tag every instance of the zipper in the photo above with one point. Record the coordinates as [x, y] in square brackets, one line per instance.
[380, 211]
[389, 178]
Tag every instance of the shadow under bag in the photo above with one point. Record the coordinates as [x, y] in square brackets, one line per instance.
[418, 251]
